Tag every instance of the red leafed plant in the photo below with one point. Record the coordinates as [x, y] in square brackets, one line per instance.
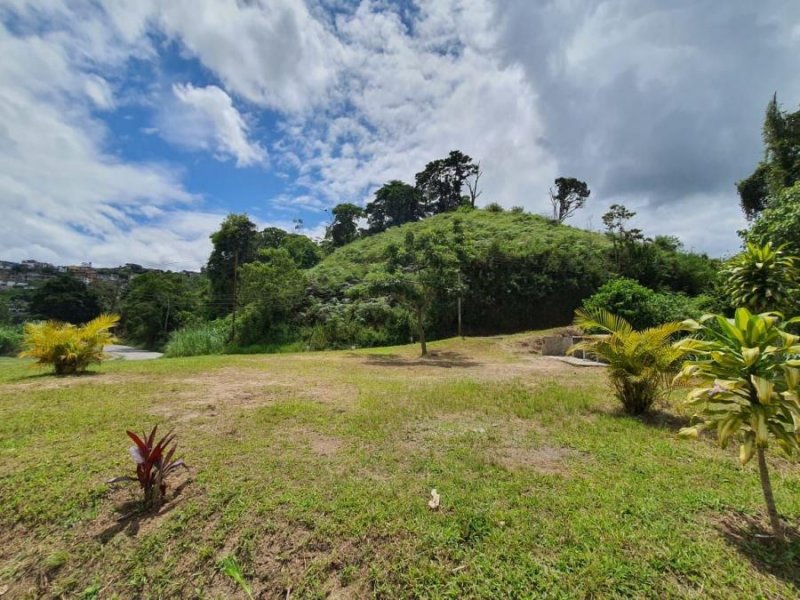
[153, 464]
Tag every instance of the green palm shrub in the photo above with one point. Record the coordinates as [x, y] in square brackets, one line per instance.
[69, 348]
[748, 378]
[641, 364]
[762, 278]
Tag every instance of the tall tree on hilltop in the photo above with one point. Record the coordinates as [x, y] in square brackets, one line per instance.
[570, 195]
[344, 227]
[442, 182]
[780, 167]
[395, 203]
[234, 245]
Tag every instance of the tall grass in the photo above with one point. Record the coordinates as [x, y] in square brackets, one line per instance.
[10, 339]
[200, 339]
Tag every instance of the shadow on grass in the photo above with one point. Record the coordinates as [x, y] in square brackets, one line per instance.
[753, 539]
[134, 514]
[445, 360]
[51, 375]
[665, 420]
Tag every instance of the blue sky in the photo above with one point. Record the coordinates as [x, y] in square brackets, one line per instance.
[130, 128]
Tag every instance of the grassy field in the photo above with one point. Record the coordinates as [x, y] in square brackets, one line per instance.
[314, 471]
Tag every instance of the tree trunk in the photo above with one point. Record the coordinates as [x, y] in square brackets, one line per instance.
[459, 317]
[766, 487]
[421, 331]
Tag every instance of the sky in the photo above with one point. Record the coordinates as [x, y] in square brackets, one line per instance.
[130, 128]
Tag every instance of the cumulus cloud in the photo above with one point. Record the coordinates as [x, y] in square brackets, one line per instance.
[206, 119]
[656, 105]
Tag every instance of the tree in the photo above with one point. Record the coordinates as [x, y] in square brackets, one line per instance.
[414, 275]
[780, 167]
[344, 227]
[640, 363]
[271, 289]
[234, 245]
[395, 203]
[570, 195]
[156, 304]
[464, 253]
[748, 387]
[304, 251]
[779, 222]
[473, 185]
[66, 299]
[442, 182]
[762, 279]
[624, 240]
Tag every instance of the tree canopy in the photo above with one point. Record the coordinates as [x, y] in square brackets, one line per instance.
[234, 244]
[65, 298]
[780, 167]
[570, 195]
[344, 227]
[395, 203]
[442, 181]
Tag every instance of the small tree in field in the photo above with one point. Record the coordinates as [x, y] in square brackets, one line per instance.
[749, 377]
[570, 195]
[414, 274]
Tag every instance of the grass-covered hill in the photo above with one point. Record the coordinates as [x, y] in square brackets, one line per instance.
[524, 271]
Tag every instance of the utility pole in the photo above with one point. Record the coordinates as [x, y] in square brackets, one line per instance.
[235, 273]
[459, 304]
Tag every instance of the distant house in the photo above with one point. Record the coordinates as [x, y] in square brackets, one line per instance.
[84, 272]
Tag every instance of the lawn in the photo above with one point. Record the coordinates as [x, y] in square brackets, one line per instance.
[314, 471]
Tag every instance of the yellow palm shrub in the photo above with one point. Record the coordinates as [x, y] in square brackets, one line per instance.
[69, 348]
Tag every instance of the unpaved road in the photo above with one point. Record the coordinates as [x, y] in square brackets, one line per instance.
[130, 353]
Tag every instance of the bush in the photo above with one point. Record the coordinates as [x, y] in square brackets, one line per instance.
[640, 363]
[494, 207]
[199, 339]
[69, 348]
[10, 339]
[638, 305]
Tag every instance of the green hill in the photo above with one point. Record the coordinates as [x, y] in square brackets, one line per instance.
[525, 272]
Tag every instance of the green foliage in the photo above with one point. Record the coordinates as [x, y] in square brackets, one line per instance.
[304, 251]
[442, 181]
[10, 339]
[65, 298]
[748, 375]
[156, 304]
[69, 348]
[779, 223]
[494, 207]
[414, 274]
[395, 203]
[780, 168]
[230, 567]
[570, 195]
[344, 227]
[640, 363]
[762, 278]
[199, 339]
[640, 306]
[235, 243]
[270, 292]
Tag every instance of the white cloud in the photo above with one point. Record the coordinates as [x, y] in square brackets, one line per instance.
[206, 119]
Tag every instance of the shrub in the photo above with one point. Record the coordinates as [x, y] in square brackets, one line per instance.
[69, 348]
[199, 339]
[762, 278]
[638, 305]
[10, 339]
[640, 363]
[153, 464]
[494, 207]
[749, 378]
